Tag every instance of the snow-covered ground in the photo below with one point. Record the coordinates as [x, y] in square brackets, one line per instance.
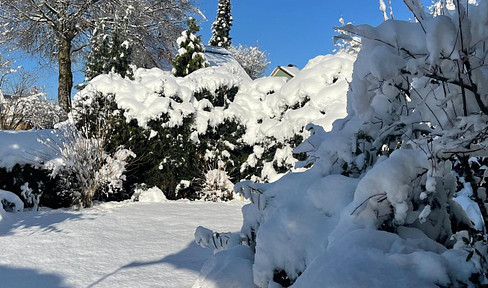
[111, 245]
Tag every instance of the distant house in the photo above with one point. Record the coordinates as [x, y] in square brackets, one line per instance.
[220, 57]
[289, 71]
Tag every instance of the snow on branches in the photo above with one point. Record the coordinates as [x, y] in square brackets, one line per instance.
[221, 26]
[252, 60]
[381, 195]
[191, 55]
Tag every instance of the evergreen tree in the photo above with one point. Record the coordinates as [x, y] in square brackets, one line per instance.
[121, 53]
[98, 58]
[191, 55]
[221, 26]
[110, 52]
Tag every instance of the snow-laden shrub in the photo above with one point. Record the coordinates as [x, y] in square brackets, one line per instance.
[380, 203]
[30, 112]
[10, 202]
[217, 185]
[87, 171]
[30, 197]
[188, 124]
[32, 184]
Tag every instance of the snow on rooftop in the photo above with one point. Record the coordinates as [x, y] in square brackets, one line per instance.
[220, 57]
[291, 69]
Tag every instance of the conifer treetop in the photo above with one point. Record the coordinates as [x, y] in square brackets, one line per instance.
[221, 26]
[191, 55]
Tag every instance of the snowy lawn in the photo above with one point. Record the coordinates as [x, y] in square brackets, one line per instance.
[111, 245]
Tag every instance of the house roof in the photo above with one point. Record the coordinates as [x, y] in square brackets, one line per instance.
[218, 56]
[290, 70]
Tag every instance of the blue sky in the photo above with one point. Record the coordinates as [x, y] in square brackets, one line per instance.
[290, 31]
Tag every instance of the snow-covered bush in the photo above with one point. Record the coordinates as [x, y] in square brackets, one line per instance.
[380, 203]
[30, 112]
[217, 183]
[252, 59]
[87, 171]
[189, 124]
[32, 184]
[30, 197]
[10, 202]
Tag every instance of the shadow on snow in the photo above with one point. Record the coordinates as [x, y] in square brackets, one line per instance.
[45, 221]
[191, 258]
[28, 278]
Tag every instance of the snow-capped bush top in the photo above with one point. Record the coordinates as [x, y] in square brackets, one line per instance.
[269, 107]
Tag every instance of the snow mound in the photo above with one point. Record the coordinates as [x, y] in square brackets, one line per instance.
[151, 195]
[12, 201]
[231, 268]
[22, 147]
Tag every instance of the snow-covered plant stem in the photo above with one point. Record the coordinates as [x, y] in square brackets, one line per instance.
[83, 164]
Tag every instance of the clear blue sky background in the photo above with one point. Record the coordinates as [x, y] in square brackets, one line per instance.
[290, 31]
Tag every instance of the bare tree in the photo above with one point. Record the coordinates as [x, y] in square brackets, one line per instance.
[58, 29]
[253, 60]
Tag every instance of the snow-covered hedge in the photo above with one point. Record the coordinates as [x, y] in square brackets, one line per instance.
[196, 135]
[21, 171]
[379, 206]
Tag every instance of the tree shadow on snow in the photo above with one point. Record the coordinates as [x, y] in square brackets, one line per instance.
[191, 258]
[43, 221]
[29, 278]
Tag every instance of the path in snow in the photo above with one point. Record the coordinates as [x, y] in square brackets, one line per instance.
[111, 245]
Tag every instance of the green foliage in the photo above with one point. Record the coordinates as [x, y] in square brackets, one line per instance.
[222, 139]
[173, 158]
[110, 52]
[222, 97]
[271, 146]
[40, 181]
[166, 155]
[221, 26]
[121, 54]
[191, 55]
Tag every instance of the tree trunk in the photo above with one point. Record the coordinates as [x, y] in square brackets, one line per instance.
[65, 80]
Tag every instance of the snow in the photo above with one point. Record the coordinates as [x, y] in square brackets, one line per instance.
[378, 259]
[11, 198]
[22, 147]
[151, 195]
[269, 108]
[221, 57]
[111, 245]
[236, 274]
[380, 206]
